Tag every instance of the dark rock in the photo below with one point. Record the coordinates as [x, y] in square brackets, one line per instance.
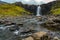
[9, 24]
[47, 7]
[13, 28]
[30, 8]
[32, 31]
[52, 23]
[56, 20]
[21, 25]
[27, 33]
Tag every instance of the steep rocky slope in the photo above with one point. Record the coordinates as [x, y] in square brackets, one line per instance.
[30, 8]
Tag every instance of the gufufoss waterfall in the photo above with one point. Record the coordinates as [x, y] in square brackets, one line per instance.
[38, 11]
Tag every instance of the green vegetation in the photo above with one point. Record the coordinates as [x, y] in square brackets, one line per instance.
[12, 10]
[56, 11]
[56, 8]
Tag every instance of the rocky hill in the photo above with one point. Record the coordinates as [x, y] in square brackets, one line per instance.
[56, 8]
[52, 8]
[12, 10]
[30, 8]
[45, 8]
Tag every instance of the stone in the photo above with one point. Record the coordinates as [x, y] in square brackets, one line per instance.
[21, 25]
[29, 38]
[53, 23]
[56, 38]
[39, 35]
[56, 20]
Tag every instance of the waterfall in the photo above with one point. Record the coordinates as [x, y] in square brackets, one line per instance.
[38, 11]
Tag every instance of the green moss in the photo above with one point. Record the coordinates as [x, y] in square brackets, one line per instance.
[56, 11]
[56, 8]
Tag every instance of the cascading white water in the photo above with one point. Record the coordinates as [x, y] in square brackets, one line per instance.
[38, 11]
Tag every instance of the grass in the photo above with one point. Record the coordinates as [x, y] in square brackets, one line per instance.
[12, 10]
[56, 8]
[56, 11]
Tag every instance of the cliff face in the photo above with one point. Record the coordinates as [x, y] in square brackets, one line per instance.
[30, 8]
[45, 8]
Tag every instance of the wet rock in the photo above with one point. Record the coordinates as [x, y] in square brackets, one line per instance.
[39, 18]
[21, 25]
[1, 22]
[9, 24]
[40, 36]
[13, 28]
[27, 34]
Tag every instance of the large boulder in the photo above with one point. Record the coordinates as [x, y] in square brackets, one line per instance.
[40, 36]
[56, 38]
[29, 38]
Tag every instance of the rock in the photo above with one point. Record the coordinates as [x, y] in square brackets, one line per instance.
[29, 38]
[7, 22]
[50, 22]
[30, 8]
[40, 36]
[27, 34]
[12, 29]
[56, 38]
[56, 20]
[39, 18]
[21, 25]
[53, 23]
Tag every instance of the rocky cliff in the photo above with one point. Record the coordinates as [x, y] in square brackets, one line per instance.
[30, 8]
[45, 8]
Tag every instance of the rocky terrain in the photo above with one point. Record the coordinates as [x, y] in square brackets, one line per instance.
[30, 28]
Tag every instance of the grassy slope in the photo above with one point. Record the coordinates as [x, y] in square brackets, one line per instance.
[11, 10]
[56, 8]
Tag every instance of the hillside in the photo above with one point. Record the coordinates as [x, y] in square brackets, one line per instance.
[12, 10]
[31, 8]
[56, 8]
